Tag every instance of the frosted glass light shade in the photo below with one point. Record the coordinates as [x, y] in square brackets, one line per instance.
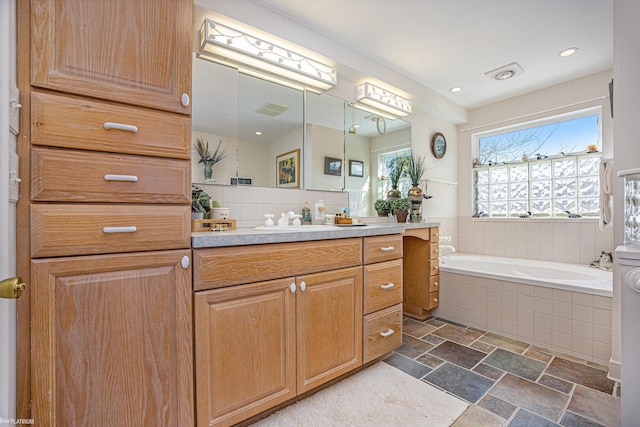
[381, 99]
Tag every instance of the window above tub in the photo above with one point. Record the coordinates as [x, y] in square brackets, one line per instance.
[543, 169]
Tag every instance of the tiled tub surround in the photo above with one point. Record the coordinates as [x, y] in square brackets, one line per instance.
[575, 241]
[569, 322]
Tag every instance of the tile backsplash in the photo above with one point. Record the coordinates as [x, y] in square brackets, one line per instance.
[573, 241]
[248, 205]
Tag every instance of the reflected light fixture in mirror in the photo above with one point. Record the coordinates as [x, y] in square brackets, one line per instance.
[383, 100]
[231, 46]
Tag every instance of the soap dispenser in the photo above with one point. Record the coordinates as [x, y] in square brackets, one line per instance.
[306, 214]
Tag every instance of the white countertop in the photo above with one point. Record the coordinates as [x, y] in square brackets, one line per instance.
[252, 236]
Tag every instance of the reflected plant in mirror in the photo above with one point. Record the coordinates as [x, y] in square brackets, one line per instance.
[207, 158]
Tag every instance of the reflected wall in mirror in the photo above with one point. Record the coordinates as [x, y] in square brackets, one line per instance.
[214, 117]
[369, 138]
[324, 122]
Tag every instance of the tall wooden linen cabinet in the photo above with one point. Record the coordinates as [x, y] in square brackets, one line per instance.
[109, 110]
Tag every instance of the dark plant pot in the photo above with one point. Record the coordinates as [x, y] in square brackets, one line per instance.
[383, 213]
[401, 216]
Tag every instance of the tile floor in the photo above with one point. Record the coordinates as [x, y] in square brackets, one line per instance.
[507, 382]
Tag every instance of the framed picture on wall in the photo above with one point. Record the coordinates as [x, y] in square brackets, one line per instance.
[332, 166]
[356, 168]
[288, 169]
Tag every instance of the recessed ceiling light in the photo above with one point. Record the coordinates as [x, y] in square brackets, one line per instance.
[504, 75]
[258, 133]
[455, 89]
[568, 52]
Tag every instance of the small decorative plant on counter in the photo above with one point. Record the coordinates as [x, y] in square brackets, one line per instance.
[396, 168]
[416, 167]
[400, 208]
[383, 207]
[200, 202]
[202, 147]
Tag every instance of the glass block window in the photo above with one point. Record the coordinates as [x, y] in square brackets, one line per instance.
[527, 172]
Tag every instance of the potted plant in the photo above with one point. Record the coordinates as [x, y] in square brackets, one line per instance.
[400, 208]
[416, 167]
[200, 202]
[383, 207]
[396, 168]
[202, 147]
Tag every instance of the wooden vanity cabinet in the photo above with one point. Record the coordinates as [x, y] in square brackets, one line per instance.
[134, 52]
[421, 271]
[107, 105]
[383, 286]
[258, 344]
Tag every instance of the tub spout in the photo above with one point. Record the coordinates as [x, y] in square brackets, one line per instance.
[447, 249]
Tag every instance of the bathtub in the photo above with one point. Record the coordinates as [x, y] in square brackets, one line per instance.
[564, 308]
[570, 277]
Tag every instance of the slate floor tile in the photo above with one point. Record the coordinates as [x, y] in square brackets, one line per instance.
[556, 383]
[435, 322]
[504, 342]
[581, 374]
[458, 354]
[477, 417]
[516, 364]
[596, 406]
[433, 339]
[413, 347]
[416, 329]
[455, 333]
[449, 322]
[459, 382]
[429, 360]
[484, 347]
[569, 419]
[408, 366]
[537, 354]
[527, 419]
[497, 406]
[538, 399]
[488, 371]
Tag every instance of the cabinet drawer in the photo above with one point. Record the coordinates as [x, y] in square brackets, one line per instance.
[434, 235]
[382, 285]
[218, 267]
[433, 300]
[382, 248]
[63, 121]
[85, 176]
[434, 283]
[382, 332]
[434, 250]
[76, 229]
[434, 267]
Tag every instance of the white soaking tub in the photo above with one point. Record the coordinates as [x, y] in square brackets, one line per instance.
[565, 308]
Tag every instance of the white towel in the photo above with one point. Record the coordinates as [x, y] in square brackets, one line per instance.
[606, 191]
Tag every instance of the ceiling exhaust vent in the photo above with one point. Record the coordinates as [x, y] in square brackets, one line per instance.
[271, 109]
[505, 72]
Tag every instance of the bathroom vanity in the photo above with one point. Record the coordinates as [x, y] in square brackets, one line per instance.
[277, 315]
[422, 271]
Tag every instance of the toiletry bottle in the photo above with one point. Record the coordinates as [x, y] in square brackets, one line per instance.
[306, 214]
[320, 210]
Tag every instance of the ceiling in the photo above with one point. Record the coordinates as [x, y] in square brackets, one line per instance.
[440, 44]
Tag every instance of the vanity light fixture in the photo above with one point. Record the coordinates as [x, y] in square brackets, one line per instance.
[230, 46]
[383, 100]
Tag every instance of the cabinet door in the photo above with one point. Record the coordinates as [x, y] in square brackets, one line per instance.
[329, 325]
[136, 52]
[111, 340]
[244, 350]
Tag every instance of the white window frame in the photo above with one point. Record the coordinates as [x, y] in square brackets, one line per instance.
[555, 213]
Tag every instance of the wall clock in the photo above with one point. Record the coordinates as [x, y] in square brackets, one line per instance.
[438, 145]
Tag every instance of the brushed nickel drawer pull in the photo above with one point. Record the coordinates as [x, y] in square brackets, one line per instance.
[131, 229]
[389, 286]
[126, 178]
[121, 126]
[387, 248]
[387, 333]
